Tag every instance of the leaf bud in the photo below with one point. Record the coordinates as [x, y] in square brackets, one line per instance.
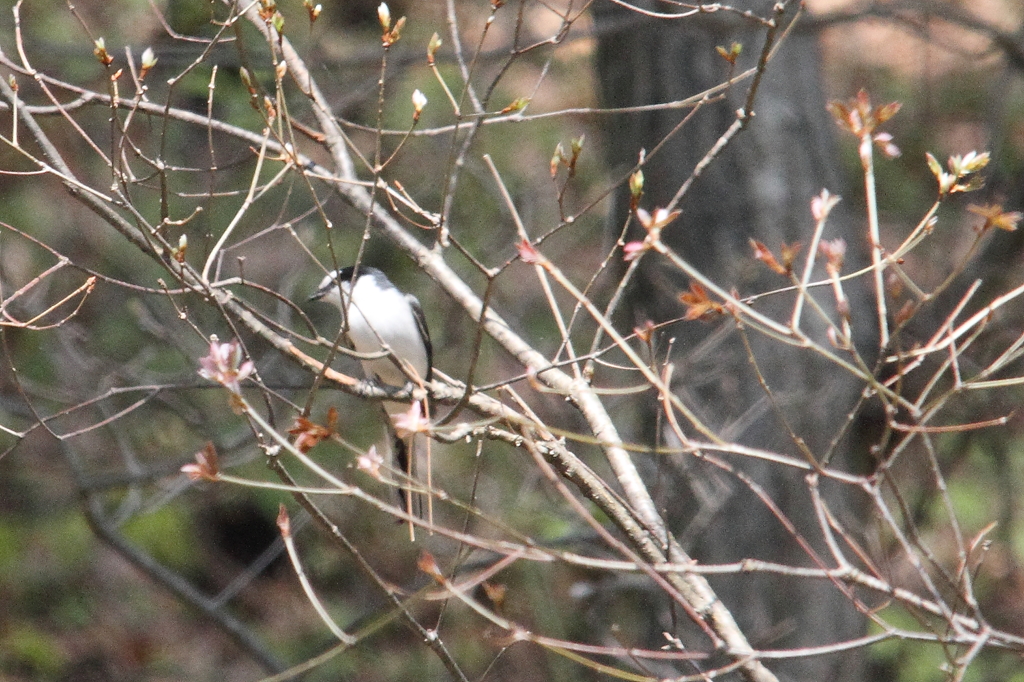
[100, 50]
[432, 47]
[148, 61]
[636, 184]
[419, 100]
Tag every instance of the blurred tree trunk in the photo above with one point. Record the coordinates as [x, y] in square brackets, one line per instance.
[760, 188]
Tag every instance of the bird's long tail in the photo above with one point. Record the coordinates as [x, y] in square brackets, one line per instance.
[411, 457]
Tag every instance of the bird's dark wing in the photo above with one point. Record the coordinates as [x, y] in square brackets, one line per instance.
[421, 322]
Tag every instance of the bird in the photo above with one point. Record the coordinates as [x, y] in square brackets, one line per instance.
[379, 316]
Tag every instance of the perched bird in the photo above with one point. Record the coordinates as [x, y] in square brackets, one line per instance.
[378, 317]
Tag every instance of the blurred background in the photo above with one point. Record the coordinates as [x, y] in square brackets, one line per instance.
[114, 566]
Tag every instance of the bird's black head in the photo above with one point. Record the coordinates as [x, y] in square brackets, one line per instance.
[341, 276]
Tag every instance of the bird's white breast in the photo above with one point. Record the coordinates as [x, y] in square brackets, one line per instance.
[385, 317]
